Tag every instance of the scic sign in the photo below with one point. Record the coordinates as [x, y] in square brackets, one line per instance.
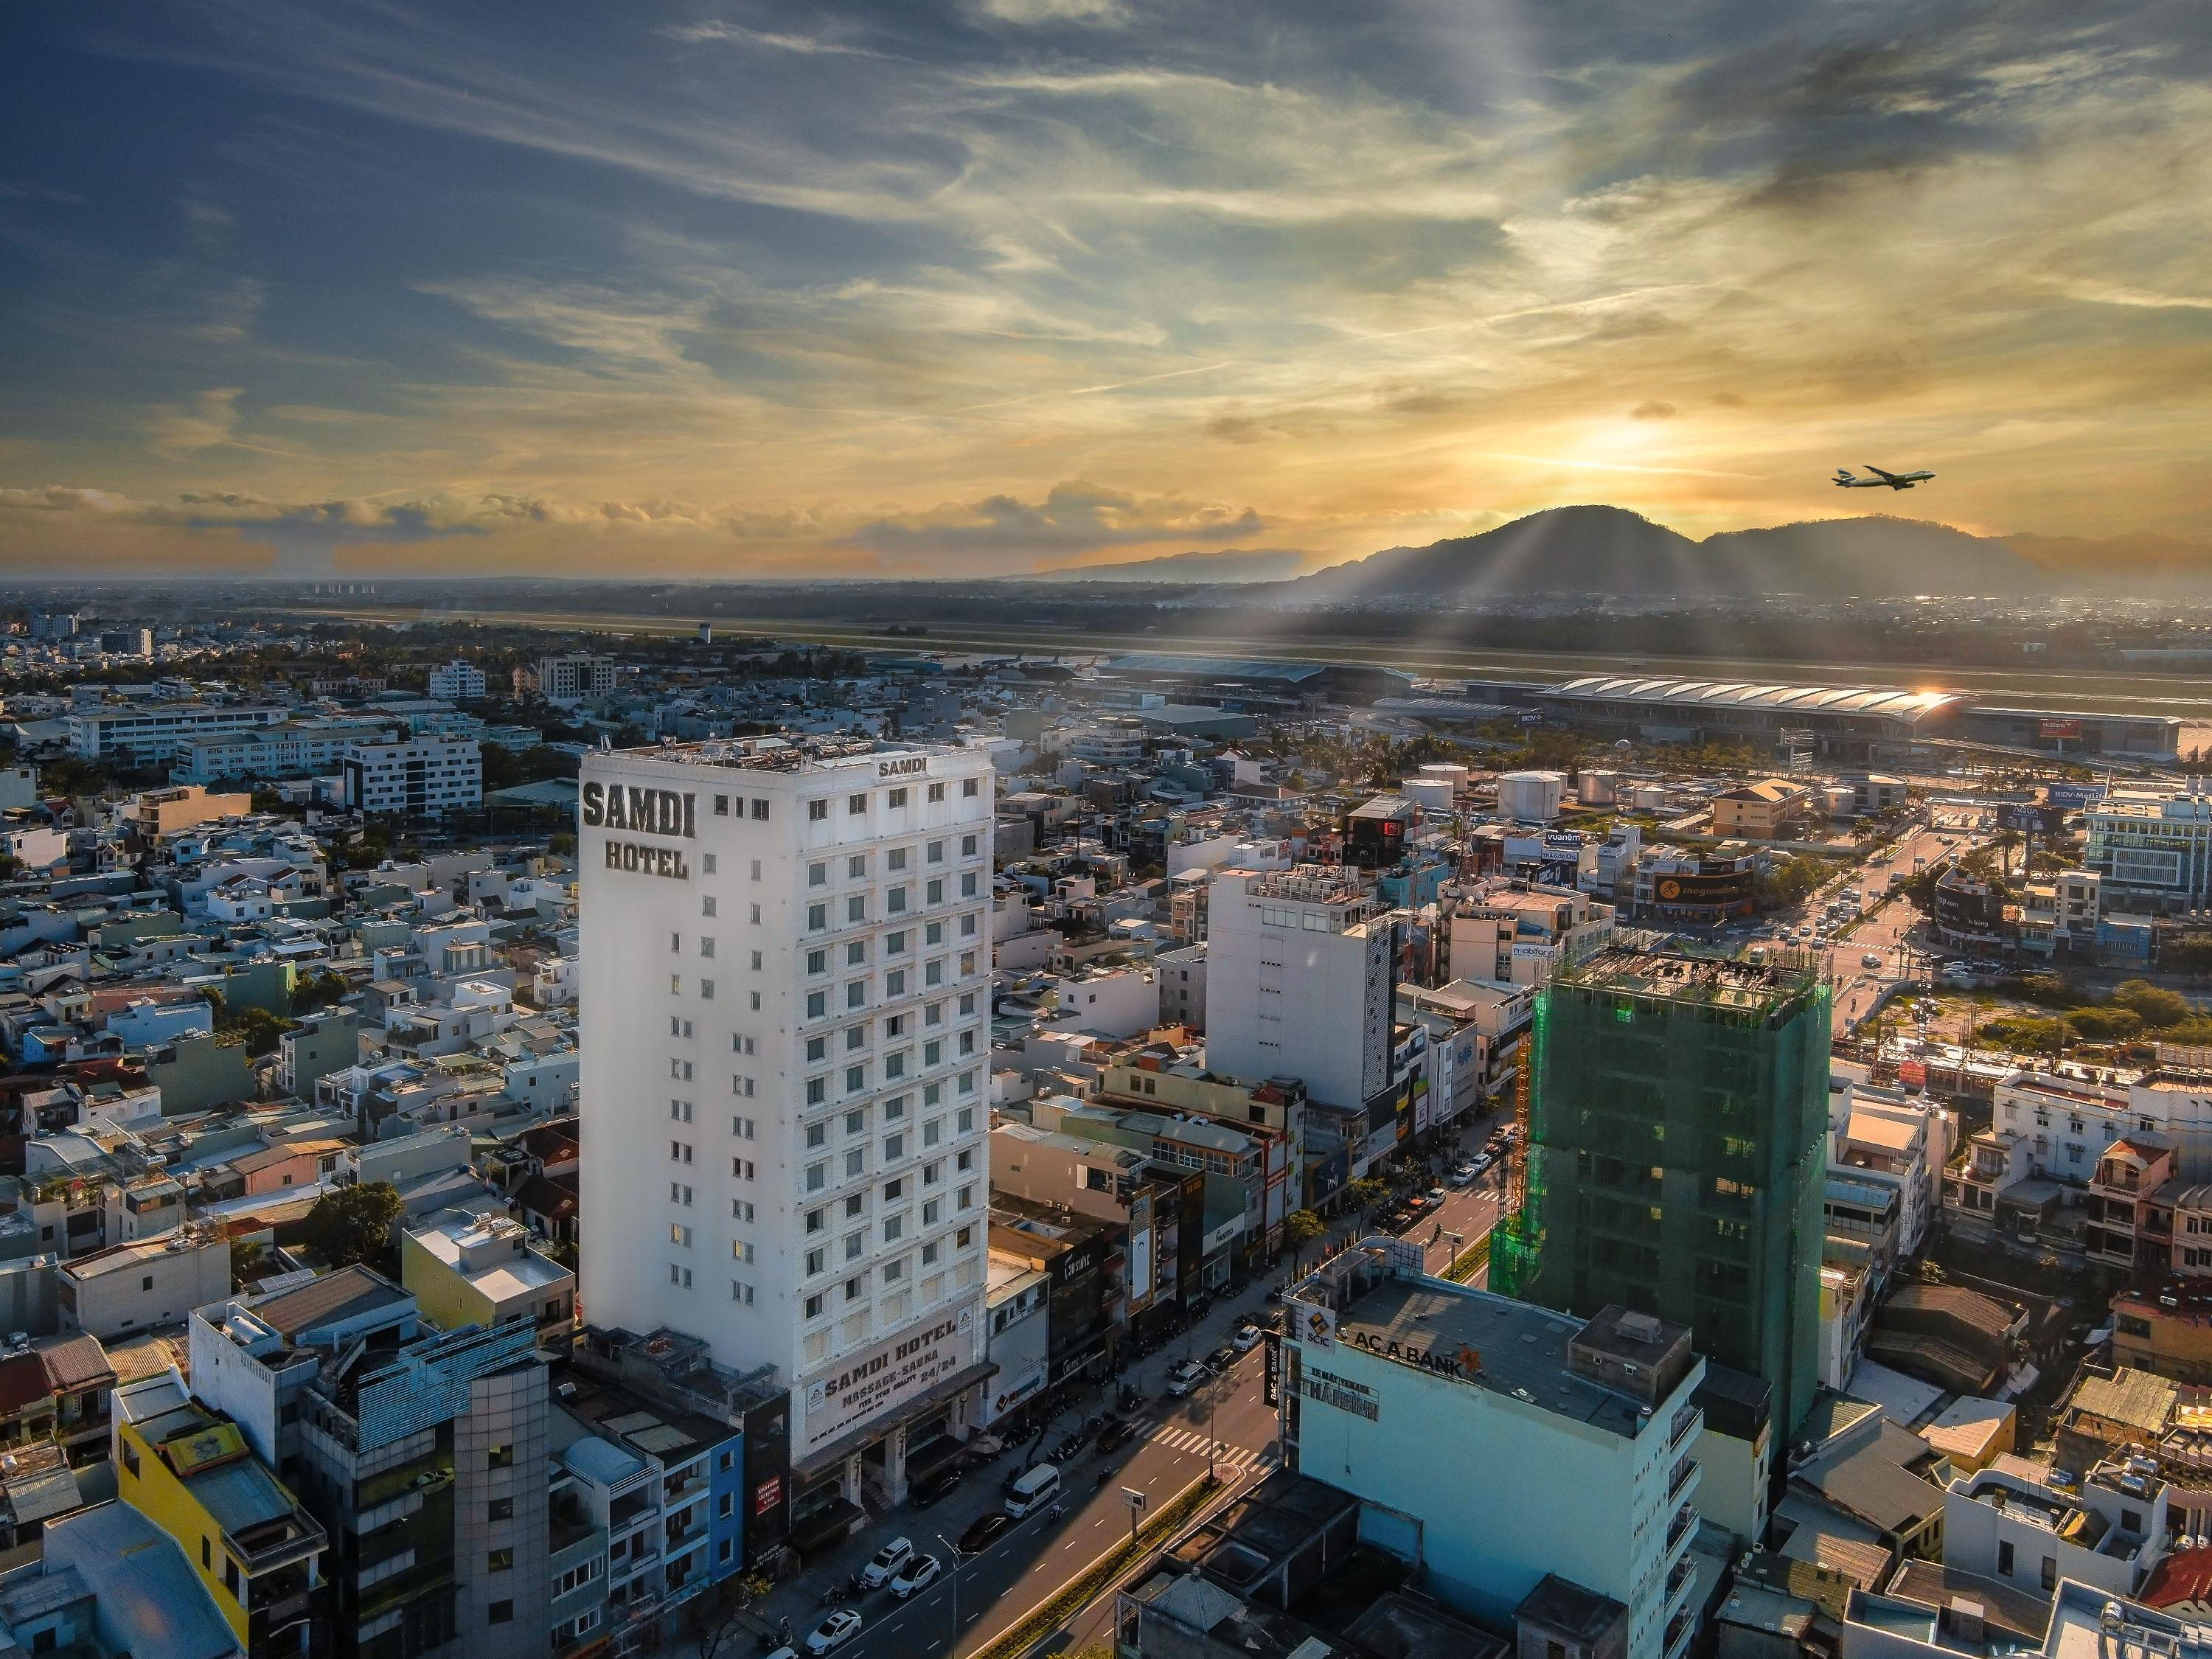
[648, 811]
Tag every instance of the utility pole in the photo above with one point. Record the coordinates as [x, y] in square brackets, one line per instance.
[958, 1560]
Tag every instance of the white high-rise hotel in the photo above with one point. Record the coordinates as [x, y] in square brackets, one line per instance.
[785, 990]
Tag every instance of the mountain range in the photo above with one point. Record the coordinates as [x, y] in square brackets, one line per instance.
[1229, 565]
[1600, 550]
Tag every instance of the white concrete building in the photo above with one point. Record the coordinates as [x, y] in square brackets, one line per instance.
[154, 732]
[785, 981]
[1518, 1442]
[139, 1287]
[575, 678]
[1889, 1133]
[457, 682]
[421, 777]
[2012, 1522]
[2068, 1117]
[1299, 981]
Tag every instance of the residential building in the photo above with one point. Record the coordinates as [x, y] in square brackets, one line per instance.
[457, 682]
[424, 1452]
[466, 1270]
[1300, 980]
[145, 1284]
[1676, 1156]
[1526, 1442]
[417, 777]
[258, 1550]
[1516, 933]
[575, 678]
[108, 1584]
[1181, 975]
[1774, 809]
[153, 732]
[2017, 1522]
[794, 934]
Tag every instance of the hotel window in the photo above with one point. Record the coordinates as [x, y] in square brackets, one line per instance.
[818, 1134]
[741, 1251]
[933, 1173]
[965, 1161]
[894, 1149]
[817, 1220]
[932, 1053]
[816, 1259]
[742, 1127]
[929, 1252]
[894, 1271]
[967, 1119]
[741, 1169]
[937, 791]
[856, 1079]
[896, 859]
[721, 806]
[815, 1305]
[817, 962]
[894, 1108]
[818, 918]
[818, 1176]
[856, 1122]
[817, 874]
[967, 846]
[967, 1083]
[679, 1234]
[933, 1014]
[932, 1093]
[967, 1043]
[856, 952]
[679, 1111]
[968, 886]
[895, 798]
[895, 943]
[856, 994]
[856, 1036]
[931, 1211]
[680, 1277]
[856, 908]
[933, 935]
[680, 1069]
[741, 1293]
[937, 891]
[741, 1209]
[679, 1194]
[895, 901]
[893, 1066]
[856, 866]
[707, 948]
[760, 816]
[817, 811]
[854, 1244]
[968, 788]
[756, 959]
[931, 1132]
[707, 905]
[817, 1090]
[855, 805]
[676, 985]
[961, 1239]
[678, 1153]
[706, 990]
[894, 983]
[756, 915]
[676, 943]
[741, 1086]
[755, 996]
[855, 1202]
[933, 973]
[817, 1003]
[937, 852]
[856, 1162]
[855, 1287]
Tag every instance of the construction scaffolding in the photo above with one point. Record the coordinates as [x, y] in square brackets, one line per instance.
[1672, 1156]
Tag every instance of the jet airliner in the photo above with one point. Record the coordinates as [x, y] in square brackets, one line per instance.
[1882, 480]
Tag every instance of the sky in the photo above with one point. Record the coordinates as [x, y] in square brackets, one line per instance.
[960, 288]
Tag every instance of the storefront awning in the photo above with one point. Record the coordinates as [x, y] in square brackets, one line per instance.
[921, 1405]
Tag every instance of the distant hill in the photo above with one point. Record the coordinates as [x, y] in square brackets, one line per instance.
[2146, 553]
[1596, 550]
[1229, 565]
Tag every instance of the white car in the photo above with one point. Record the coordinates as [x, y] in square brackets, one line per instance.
[1247, 1338]
[885, 1567]
[1463, 1175]
[1482, 1161]
[833, 1633]
[919, 1574]
[1185, 1377]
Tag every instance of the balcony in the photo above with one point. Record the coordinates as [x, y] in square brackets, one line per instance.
[1678, 1631]
[1687, 1423]
[1679, 1528]
[1679, 1482]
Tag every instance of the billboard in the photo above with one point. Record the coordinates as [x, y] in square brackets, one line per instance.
[2049, 727]
[894, 1371]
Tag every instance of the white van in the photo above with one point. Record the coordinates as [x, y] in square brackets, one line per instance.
[1033, 1491]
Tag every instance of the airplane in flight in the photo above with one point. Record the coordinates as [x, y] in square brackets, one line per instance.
[1882, 480]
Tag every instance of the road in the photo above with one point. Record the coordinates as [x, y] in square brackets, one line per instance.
[1028, 1564]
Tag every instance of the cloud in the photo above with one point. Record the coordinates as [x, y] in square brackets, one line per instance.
[1029, 13]
[1653, 410]
[178, 431]
[1076, 516]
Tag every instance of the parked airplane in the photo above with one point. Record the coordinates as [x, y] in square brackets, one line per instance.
[1882, 480]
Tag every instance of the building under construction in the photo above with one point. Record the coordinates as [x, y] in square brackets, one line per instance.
[1671, 1159]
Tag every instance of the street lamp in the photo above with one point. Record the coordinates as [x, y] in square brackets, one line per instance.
[959, 1559]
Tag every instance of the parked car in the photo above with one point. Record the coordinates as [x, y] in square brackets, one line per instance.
[1221, 1360]
[1870, 959]
[885, 1567]
[984, 1532]
[1116, 1434]
[933, 1488]
[1186, 1377]
[833, 1633]
[1463, 1172]
[1246, 1339]
[919, 1574]
[1435, 1195]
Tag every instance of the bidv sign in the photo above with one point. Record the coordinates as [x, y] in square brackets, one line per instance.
[644, 812]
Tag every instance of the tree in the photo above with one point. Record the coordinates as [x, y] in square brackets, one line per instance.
[1300, 1229]
[352, 1225]
[718, 1621]
[248, 1261]
[256, 1028]
[1367, 1192]
[2154, 1005]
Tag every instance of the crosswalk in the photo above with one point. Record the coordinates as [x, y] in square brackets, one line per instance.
[1193, 1441]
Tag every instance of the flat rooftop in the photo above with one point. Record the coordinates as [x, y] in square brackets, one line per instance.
[1751, 986]
[796, 752]
[1518, 1349]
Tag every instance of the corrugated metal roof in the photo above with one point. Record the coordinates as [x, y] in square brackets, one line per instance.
[1891, 700]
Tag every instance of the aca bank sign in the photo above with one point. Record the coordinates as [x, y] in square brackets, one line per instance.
[644, 812]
